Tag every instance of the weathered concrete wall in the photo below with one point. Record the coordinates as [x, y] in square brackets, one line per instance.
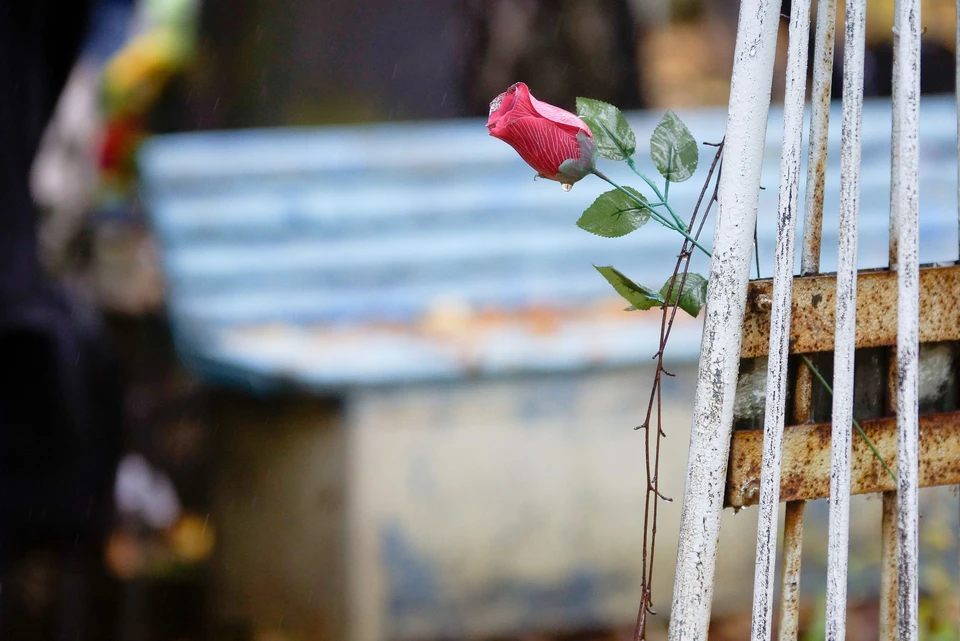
[430, 511]
[488, 507]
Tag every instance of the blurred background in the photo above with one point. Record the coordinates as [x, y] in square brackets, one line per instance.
[302, 353]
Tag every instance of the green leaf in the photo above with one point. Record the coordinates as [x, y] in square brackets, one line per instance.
[638, 296]
[673, 149]
[614, 137]
[614, 214]
[692, 297]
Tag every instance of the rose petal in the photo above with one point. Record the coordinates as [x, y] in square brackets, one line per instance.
[559, 116]
[541, 143]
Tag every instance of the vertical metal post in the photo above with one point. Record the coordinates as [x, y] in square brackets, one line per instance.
[790, 579]
[845, 333]
[819, 132]
[809, 264]
[957, 81]
[888, 565]
[796, 84]
[908, 304]
[726, 299]
[888, 519]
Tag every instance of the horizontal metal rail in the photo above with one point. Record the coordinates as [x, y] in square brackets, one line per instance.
[806, 460]
[814, 298]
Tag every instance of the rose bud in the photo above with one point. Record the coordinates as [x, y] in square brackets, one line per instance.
[557, 144]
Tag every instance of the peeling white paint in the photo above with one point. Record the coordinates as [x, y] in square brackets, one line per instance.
[907, 197]
[846, 312]
[726, 299]
[776, 384]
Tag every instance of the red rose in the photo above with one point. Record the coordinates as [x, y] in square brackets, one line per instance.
[555, 142]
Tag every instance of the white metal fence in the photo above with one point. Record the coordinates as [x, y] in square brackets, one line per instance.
[710, 446]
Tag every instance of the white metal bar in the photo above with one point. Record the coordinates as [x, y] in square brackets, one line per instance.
[776, 405]
[819, 130]
[809, 264]
[908, 313]
[845, 334]
[739, 191]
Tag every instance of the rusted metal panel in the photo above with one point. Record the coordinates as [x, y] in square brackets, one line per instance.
[806, 459]
[814, 301]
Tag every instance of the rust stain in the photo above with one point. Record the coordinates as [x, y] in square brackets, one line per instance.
[806, 459]
[814, 304]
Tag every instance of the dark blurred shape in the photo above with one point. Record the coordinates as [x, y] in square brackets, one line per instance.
[561, 49]
[365, 60]
[60, 403]
[937, 64]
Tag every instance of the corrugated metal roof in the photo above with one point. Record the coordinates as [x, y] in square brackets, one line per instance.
[330, 257]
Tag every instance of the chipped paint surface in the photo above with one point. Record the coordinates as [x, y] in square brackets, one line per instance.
[846, 321]
[907, 196]
[726, 296]
[776, 382]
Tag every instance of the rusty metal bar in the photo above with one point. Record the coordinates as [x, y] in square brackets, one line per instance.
[809, 264]
[819, 130]
[888, 526]
[888, 568]
[814, 298]
[790, 576]
[908, 314]
[806, 462]
[775, 410]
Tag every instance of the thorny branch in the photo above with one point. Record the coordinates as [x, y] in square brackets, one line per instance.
[669, 312]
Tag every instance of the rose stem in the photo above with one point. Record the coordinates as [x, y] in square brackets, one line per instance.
[662, 220]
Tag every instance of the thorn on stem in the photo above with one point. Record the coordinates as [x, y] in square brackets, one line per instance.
[653, 486]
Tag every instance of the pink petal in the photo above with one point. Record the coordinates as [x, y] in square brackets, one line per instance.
[543, 144]
[559, 116]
